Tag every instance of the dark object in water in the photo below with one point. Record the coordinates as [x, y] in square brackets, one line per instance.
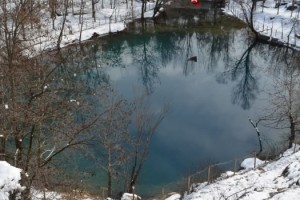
[193, 58]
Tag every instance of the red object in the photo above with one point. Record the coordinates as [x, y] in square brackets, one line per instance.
[196, 2]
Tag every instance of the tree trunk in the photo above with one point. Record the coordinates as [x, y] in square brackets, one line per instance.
[18, 153]
[63, 25]
[109, 174]
[52, 5]
[29, 151]
[2, 147]
[293, 131]
[93, 10]
[143, 9]
[253, 7]
[81, 20]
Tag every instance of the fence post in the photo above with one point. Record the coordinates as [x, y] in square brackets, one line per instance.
[235, 161]
[271, 29]
[254, 160]
[133, 195]
[295, 138]
[208, 174]
[163, 191]
[281, 28]
[103, 192]
[189, 182]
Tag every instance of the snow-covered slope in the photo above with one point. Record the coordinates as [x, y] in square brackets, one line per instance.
[279, 23]
[276, 180]
[107, 20]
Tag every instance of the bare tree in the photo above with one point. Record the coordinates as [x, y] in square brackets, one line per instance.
[282, 111]
[81, 18]
[284, 105]
[113, 134]
[52, 8]
[255, 126]
[65, 13]
[248, 11]
[146, 122]
[93, 10]
[15, 20]
[43, 108]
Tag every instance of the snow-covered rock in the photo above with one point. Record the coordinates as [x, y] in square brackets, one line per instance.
[9, 181]
[249, 163]
[277, 180]
[128, 196]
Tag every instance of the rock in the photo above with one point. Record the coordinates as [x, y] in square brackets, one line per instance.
[248, 163]
[94, 36]
[285, 172]
[291, 7]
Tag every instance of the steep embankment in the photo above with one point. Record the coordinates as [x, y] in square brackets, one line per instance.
[279, 179]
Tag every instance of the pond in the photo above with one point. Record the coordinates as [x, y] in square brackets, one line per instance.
[207, 67]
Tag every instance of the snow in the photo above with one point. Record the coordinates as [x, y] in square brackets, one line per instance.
[39, 195]
[277, 180]
[107, 20]
[174, 197]
[9, 180]
[51, 195]
[282, 25]
[249, 163]
[128, 196]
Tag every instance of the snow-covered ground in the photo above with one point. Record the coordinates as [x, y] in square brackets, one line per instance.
[277, 23]
[276, 180]
[281, 24]
[107, 20]
[9, 180]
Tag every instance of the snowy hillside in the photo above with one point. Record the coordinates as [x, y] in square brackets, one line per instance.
[277, 180]
[108, 19]
[279, 22]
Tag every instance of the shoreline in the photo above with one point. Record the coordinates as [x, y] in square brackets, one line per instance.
[273, 25]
